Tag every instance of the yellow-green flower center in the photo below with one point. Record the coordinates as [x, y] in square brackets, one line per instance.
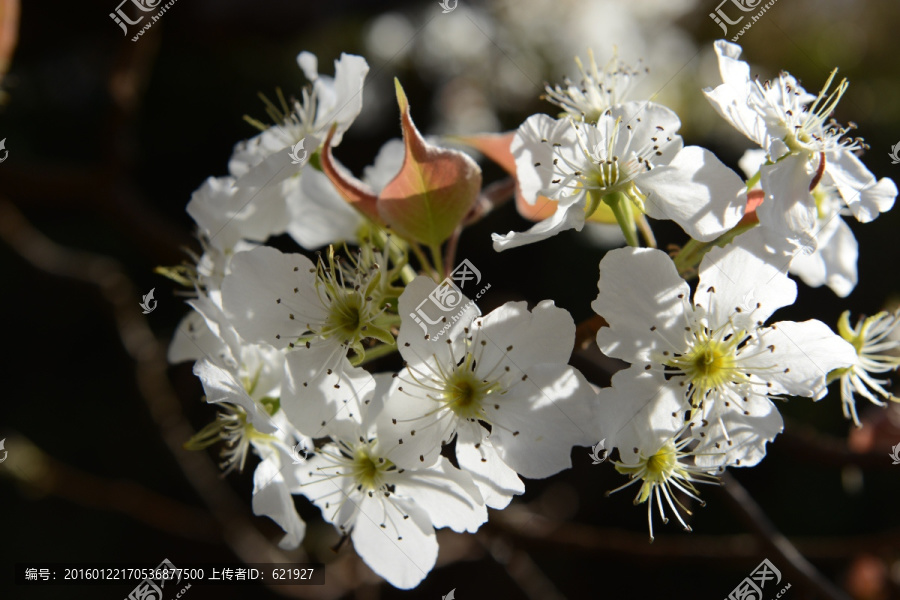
[368, 471]
[345, 317]
[709, 364]
[464, 393]
[656, 470]
[661, 464]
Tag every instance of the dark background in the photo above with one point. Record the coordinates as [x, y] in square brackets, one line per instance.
[107, 140]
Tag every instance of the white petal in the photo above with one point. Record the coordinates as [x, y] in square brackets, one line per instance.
[834, 261]
[318, 214]
[733, 70]
[541, 418]
[744, 282]
[271, 498]
[259, 296]
[644, 301]
[696, 191]
[405, 562]
[789, 210]
[221, 385]
[261, 184]
[226, 215]
[309, 64]
[730, 99]
[534, 151]
[524, 338]
[217, 323]
[565, 218]
[644, 117]
[647, 124]
[430, 315]
[476, 454]
[865, 196]
[448, 495]
[329, 493]
[748, 434]
[752, 161]
[804, 354]
[412, 422]
[387, 164]
[318, 408]
[193, 340]
[639, 405]
[349, 78]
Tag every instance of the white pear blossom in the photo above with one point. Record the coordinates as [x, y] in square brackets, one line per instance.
[320, 312]
[803, 145]
[717, 349]
[251, 418]
[327, 101]
[596, 91]
[876, 354]
[263, 166]
[499, 385]
[632, 158]
[662, 460]
[833, 261]
[389, 512]
[263, 172]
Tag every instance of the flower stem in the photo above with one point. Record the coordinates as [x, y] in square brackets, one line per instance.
[688, 258]
[646, 232]
[438, 259]
[754, 180]
[424, 263]
[622, 209]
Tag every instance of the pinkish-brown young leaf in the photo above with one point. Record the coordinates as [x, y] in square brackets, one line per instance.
[434, 190]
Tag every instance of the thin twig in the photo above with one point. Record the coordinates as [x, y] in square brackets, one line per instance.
[785, 553]
[45, 474]
[533, 582]
[238, 531]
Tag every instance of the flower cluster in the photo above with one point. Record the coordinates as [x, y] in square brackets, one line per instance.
[396, 420]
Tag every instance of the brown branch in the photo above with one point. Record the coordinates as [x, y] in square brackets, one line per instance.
[783, 551]
[9, 36]
[805, 443]
[520, 567]
[46, 475]
[531, 530]
[238, 531]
